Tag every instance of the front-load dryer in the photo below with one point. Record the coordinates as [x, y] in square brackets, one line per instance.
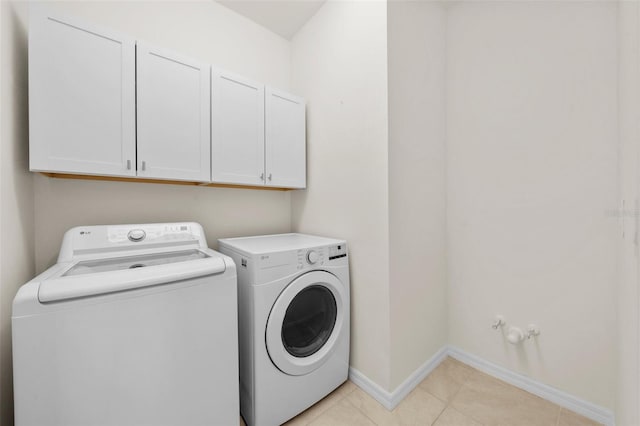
[293, 307]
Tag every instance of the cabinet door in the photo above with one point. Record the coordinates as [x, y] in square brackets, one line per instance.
[81, 97]
[173, 116]
[285, 142]
[237, 124]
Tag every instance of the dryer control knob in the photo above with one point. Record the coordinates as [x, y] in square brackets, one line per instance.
[312, 256]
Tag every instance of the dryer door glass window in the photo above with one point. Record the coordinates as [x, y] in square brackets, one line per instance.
[309, 321]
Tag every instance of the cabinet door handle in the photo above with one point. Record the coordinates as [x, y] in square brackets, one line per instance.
[144, 166]
[261, 176]
[269, 177]
[128, 164]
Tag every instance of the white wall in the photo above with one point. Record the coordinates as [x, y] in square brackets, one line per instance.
[222, 212]
[417, 199]
[628, 346]
[204, 30]
[531, 149]
[340, 67]
[16, 190]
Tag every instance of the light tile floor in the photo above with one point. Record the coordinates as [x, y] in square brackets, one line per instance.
[454, 394]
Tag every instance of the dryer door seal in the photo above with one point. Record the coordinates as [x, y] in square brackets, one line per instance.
[305, 322]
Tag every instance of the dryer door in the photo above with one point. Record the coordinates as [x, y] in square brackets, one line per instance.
[305, 322]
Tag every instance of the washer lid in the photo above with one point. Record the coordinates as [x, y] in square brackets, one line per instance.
[119, 280]
[133, 262]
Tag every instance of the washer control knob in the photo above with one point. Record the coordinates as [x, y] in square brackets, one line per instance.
[312, 256]
[136, 235]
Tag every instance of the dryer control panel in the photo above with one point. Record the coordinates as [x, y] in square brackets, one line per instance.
[272, 257]
[319, 256]
[336, 252]
[313, 256]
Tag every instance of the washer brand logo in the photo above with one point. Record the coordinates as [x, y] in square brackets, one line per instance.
[264, 257]
[85, 232]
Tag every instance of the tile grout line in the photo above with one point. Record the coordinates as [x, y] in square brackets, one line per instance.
[558, 417]
[338, 400]
[446, 403]
[313, 419]
[362, 412]
[440, 415]
[450, 401]
[372, 420]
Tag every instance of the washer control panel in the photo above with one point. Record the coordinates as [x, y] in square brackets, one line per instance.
[136, 235]
[160, 232]
[79, 240]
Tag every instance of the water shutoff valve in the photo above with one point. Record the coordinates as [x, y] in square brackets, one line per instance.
[532, 331]
[498, 322]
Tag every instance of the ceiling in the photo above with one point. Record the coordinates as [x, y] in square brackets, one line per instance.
[283, 17]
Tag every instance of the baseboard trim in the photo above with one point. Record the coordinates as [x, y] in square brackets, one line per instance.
[561, 398]
[372, 388]
[417, 376]
[391, 399]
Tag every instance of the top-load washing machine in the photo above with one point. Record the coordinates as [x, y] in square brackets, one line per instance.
[134, 325]
[293, 307]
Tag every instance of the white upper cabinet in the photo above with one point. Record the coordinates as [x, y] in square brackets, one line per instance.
[101, 103]
[285, 141]
[237, 123]
[81, 97]
[173, 116]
